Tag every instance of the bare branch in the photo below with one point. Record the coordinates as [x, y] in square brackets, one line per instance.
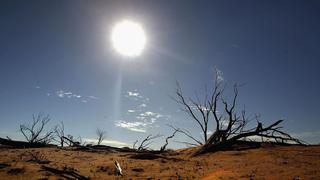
[163, 148]
[187, 133]
[146, 142]
[59, 131]
[134, 144]
[187, 143]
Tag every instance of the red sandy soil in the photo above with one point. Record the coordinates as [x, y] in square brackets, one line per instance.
[267, 162]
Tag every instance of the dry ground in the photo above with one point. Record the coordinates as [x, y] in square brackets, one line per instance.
[268, 162]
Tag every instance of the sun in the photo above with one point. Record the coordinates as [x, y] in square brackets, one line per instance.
[128, 38]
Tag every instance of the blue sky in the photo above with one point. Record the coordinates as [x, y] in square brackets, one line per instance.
[56, 58]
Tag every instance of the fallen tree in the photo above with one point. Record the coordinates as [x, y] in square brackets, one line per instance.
[231, 126]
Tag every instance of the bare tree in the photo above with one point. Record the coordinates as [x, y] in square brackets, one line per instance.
[59, 131]
[34, 133]
[101, 135]
[230, 126]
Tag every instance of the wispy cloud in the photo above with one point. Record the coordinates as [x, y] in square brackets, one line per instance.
[201, 107]
[143, 105]
[135, 95]
[132, 126]
[68, 95]
[92, 97]
[71, 95]
[219, 75]
[150, 114]
[107, 142]
[140, 119]
[142, 122]
[62, 94]
[140, 100]
[151, 117]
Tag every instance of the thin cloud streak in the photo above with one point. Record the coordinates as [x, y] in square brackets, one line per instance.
[70, 95]
[141, 119]
[107, 142]
[135, 95]
[132, 126]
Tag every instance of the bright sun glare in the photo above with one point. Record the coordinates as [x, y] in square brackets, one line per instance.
[128, 38]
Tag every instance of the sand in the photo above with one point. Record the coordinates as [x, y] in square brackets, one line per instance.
[268, 162]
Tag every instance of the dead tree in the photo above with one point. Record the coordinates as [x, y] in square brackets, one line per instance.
[34, 133]
[230, 126]
[101, 135]
[146, 142]
[59, 131]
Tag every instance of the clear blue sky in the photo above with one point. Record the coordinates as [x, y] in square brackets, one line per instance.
[56, 58]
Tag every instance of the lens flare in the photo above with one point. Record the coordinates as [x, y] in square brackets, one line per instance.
[128, 38]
